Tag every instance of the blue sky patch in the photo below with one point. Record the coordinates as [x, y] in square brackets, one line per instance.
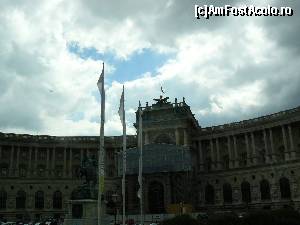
[132, 68]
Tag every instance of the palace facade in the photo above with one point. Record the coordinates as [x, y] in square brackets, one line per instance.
[252, 164]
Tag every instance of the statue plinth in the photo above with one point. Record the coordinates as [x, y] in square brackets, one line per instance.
[85, 212]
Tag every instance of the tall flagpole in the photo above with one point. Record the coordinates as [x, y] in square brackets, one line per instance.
[122, 117]
[101, 153]
[141, 162]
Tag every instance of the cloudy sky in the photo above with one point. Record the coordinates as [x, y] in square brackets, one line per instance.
[228, 69]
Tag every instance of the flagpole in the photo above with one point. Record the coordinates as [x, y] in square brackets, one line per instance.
[101, 147]
[124, 159]
[141, 162]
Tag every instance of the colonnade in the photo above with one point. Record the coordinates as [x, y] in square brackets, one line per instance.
[251, 147]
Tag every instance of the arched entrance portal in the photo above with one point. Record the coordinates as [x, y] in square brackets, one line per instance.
[156, 197]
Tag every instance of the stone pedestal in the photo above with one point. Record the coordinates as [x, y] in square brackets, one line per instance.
[85, 212]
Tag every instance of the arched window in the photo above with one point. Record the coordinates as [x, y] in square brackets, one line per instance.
[39, 200]
[209, 194]
[3, 198]
[21, 200]
[265, 190]
[57, 200]
[227, 193]
[285, 189]
[246, 192]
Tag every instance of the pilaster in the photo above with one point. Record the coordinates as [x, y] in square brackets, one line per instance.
[218, 154]
[65, 161]
[212, 154]
[11, 172]
[35, 160]
[231, 160]
[254, 153]
[286, 153]
[267, 154]
[236, 155]
[247, 150]
[292, 144]
[185, 137]
[70, 164]
[48, 162]
[53, 160]
[17, 171]
[177, 136]
[272, 146]
[200, 153]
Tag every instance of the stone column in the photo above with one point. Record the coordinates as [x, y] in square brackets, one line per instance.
[247, 150]
[30, 161]
[286, 153]
[267, 155]
[293, 150]
[177, 136]
[48, 161]
[236, 155]
[18, 161]
[254, 154]
[35, 160]
[147, 138]
[212, 154]
[185, 137]
[65, 161]
[11, 172]
[53, 160]
[200, 153]
[272, 147]
[71, 163]
[231, 162]
[218, 154]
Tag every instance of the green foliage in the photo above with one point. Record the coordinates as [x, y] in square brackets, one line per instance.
[180, 220]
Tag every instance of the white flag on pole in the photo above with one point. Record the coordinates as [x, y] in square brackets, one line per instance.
[121, 109]
[100, 83]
